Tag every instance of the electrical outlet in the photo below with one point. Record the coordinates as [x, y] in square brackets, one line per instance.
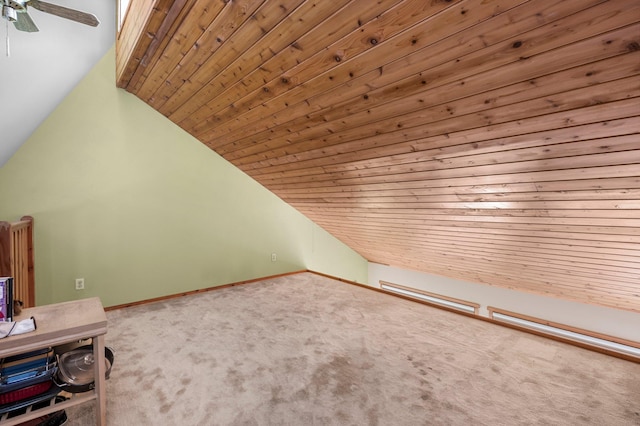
[79, 283]
[274, 257]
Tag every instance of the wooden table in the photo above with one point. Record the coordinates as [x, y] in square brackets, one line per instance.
[58, 324]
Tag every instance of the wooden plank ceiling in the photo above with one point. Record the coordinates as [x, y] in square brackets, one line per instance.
[489, 141]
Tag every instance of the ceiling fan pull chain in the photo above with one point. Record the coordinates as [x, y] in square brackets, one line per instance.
[8, 48]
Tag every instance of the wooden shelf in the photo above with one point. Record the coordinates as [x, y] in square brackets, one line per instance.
[58, 324]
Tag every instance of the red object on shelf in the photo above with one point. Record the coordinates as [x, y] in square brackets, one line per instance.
[24, 393]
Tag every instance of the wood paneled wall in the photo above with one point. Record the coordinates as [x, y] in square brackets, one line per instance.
[490, 141]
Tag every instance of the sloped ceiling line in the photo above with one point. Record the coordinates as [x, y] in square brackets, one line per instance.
[490, 141]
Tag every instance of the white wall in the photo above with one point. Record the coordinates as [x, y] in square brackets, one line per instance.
[613, 322]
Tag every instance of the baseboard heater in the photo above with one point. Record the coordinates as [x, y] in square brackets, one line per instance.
[566, 332]
[436, 299]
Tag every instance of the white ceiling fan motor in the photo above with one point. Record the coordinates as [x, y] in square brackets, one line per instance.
[9, 13]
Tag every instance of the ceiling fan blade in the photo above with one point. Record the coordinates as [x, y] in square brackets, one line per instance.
[25, 23]
[64, 12]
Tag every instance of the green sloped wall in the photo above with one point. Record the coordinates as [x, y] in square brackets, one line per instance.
[128, 201]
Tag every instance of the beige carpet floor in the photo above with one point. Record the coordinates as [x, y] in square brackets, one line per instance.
[308, 350]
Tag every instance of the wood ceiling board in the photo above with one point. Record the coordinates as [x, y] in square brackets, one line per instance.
[139, 37]
[457, 64]
[491, 141]
[404, 141]
[279, 48]
[584, 76]
[167, 50]
[276, 78]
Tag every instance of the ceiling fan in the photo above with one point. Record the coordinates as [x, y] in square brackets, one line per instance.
[16, 11]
